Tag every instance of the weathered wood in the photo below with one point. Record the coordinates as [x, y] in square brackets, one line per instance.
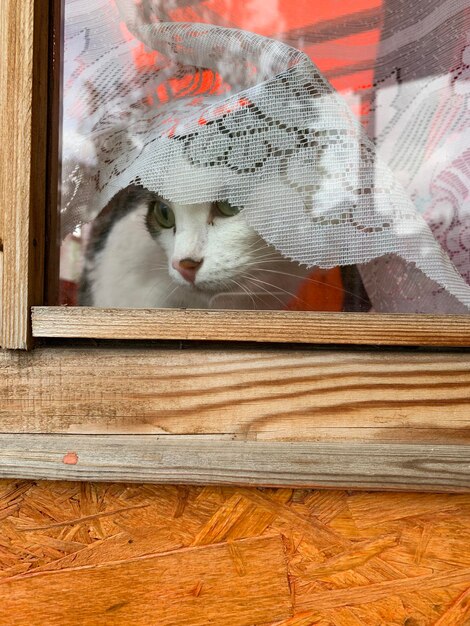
[267, 326]
[189, 586]
[1, 288]
[54, 160]
[359, 419]
[273, 394]
[209, 460]
[23, 124]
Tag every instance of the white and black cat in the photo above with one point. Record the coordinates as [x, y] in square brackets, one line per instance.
[145, 251]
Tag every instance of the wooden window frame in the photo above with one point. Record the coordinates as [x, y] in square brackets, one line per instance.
[30, 37]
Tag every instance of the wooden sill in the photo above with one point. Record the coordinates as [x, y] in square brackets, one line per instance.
[260, 326]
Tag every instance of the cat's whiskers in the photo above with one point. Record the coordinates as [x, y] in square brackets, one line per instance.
[152, 268]
[150, 291]
[131, 269]
[245, 290]
[257, 263]
[265, 290]
[155, 286]
[168, 296]
[318, 282]
[252, 278]
[267, 257]
[263, 249]
[262, 244]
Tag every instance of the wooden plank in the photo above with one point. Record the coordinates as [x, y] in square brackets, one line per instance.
[241, 584]
[208, 460]
[23, 125]
[1, 290]
[360, 419]
[266, 326]
[53, 199]
[266, 394]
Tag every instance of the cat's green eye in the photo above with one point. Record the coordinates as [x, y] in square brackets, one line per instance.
[226, 209]
[163, 214]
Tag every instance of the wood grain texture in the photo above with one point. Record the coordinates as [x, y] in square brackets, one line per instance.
[23, 125]
[1, 289]
[209, 460]
[266, 394]
[54, 160]
[267, 326]
[152, 554]
[359, 419]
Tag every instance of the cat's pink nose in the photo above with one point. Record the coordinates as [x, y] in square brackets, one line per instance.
[188, 268]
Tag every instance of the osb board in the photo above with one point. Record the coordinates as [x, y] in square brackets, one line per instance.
[94, 553]
[276, 417]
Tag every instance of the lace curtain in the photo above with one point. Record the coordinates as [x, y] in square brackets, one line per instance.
[196, 111]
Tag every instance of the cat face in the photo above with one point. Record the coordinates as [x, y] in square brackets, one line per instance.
[208, 245]
[212, 250]
[146, 252]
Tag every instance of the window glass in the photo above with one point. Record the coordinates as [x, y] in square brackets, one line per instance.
[266, 155]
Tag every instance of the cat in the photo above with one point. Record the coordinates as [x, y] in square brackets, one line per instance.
[145, 252]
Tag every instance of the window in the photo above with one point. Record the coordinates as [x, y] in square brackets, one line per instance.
[219, 412]
[208, 150]
[341, 236]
